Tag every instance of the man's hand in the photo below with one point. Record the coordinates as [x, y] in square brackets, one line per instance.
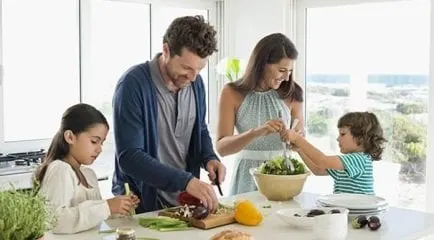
[214, 166]
[204, 192]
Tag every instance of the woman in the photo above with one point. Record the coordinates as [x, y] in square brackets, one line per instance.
[253, 105]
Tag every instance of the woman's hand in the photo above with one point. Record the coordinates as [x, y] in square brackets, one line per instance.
[269, 127]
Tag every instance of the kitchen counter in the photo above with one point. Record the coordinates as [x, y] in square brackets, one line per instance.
[397, 224]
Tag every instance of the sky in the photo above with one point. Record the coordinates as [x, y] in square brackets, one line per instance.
[388, 37]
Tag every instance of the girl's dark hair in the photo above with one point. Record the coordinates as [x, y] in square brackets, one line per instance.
[77, 118]
[366, 129]
[270, 50]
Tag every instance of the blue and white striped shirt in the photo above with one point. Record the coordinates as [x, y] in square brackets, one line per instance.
[357, 176]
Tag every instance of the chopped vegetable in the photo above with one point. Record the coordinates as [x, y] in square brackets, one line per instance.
[163, 224]
[200, 213]
[276, 166]
[137, 238]
[128, 193]
[184, 198]
[247, 214]
[266, 206]
[224, 209]
[107, 231]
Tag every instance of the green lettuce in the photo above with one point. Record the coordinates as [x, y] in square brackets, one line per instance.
[276, 166]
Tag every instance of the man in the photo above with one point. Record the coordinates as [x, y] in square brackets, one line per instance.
[161, 135]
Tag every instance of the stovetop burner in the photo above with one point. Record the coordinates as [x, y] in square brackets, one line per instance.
[20, 162]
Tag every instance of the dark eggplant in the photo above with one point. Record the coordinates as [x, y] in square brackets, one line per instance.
[333, 211]
[374, 223]
[200, 213]
[315, 212]
[374, 219]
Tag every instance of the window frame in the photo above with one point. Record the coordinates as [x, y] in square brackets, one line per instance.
[300, 39]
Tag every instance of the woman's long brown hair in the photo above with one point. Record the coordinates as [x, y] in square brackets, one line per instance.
[270, 50]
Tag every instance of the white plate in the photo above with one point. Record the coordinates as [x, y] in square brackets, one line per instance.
[361, 211]
[353, 201]
[288, 216]
[367, 211]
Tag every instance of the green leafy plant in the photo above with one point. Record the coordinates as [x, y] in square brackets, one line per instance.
[407, 143]
[276, 166]
[317, 123]
[411, 108]
[23, 215]
[341, 92]
[231, 68]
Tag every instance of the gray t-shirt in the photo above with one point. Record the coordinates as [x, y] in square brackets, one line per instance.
[175, 122]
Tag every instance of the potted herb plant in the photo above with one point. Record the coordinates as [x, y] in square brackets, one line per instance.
[23, 215]
[232, 68]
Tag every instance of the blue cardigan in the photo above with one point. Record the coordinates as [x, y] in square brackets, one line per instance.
[135, 127]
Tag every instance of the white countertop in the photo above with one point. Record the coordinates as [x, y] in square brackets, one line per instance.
[397, 224]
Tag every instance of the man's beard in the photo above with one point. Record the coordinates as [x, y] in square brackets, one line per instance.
[173, 79]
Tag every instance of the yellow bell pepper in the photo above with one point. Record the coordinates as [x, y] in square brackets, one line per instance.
[247, 214]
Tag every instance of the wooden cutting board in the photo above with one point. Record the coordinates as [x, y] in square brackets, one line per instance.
[211, 221]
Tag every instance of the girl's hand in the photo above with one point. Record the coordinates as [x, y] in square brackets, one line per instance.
[120, 205]
[135, 200]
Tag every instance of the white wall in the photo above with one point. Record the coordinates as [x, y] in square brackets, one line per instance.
[247, 21]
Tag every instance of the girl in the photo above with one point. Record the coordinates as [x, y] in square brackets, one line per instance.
[360, 141]
[71, 188]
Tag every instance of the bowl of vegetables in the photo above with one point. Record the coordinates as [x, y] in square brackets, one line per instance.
[277, 182]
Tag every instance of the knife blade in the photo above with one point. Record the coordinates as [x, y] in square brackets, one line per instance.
[218, 183]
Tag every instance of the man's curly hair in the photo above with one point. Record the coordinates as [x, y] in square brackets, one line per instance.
[193, 33]
[366, 129]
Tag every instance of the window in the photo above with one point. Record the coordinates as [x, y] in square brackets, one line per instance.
[115, 37]
[370, 57]
[40, 61]
[78, 49]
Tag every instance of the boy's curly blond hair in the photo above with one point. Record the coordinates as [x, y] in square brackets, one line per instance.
[366, 129]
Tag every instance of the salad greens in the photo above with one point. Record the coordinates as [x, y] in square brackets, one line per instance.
[276, 166]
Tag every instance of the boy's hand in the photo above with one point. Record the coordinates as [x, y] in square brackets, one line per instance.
[289, 136]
